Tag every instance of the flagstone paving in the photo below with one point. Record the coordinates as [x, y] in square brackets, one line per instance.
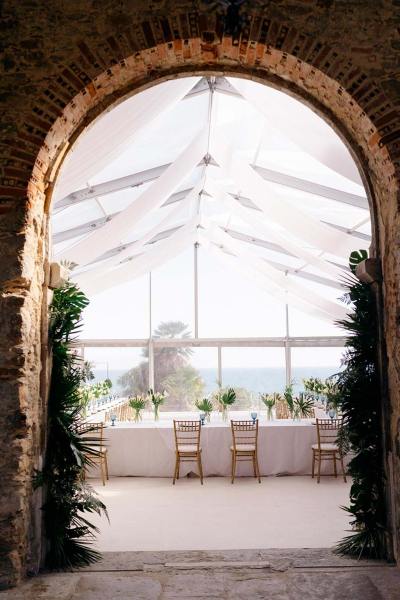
[309, 574]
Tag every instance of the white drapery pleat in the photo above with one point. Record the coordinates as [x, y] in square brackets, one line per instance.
[114, 232]
[287, 115]
[99, 146]
[259, 227]
[163, 251]
[273, 276]
[276, 208]
[238, 265]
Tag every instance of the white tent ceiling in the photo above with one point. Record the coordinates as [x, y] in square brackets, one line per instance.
[249, 173]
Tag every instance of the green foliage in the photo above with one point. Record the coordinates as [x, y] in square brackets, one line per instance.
[138, 402]
[314, 385]
[226, 397]
[289, 397]
[303, 406]
[270, 399]
[356, 258]
[359, 388]
[205, 405]
[69, 534]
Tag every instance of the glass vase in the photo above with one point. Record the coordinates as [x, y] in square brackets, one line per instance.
[208, 417]
[138, 415]
[156, 412]
[225, 414]
[270, 414]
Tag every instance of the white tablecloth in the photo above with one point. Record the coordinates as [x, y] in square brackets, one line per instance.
[148, 449]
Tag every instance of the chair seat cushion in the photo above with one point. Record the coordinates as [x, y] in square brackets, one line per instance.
[329, 447]
[188, 448]
[244, 447]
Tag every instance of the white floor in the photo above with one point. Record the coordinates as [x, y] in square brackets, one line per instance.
[281, 512]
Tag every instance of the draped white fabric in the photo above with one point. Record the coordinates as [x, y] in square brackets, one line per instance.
[114, 131]
[272, 277]
[154, 257]
[131, 231]
[261, 228]
[319, 140]
[116, 230]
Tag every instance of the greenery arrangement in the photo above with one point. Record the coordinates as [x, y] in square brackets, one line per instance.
[89, 392]
[226, 398]
[359, 389]
[172, 370]
[270, 401]
[205, 406]
[288, 395]
[69, 535]
[303, 406]
[157, 399]
[138, 403]
[326, 389]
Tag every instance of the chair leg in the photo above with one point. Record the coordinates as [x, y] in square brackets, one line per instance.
[334, 465]
[313, 465]
[106, 465]
[200, 467]
[102, 472]
[233, 466]
[176, 469]
[254, 464]
[319, 467]
[342, 465]
[257, 467]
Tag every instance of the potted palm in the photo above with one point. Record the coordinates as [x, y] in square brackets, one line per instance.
[205, 406]
[138, 403]
[226, 398]
[156, 398]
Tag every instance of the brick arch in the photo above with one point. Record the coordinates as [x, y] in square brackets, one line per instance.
[81, 90]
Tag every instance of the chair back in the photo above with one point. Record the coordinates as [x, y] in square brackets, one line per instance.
[327, 430]
[244, 432]
[187, 433]
[94, 433]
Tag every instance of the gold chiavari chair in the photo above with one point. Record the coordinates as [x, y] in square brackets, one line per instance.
[245, 440]
[326, 448]
[187, 445]
[94, 432]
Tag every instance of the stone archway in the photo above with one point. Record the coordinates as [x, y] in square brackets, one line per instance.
[82, 89]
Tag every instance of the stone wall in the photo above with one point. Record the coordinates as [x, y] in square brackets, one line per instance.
[65, 62]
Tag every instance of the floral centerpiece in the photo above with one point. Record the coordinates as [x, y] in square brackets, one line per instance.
[205, 406]
[138, 403]
[270, 400]
[156, 398]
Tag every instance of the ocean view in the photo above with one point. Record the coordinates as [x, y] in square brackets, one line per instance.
[256, 380]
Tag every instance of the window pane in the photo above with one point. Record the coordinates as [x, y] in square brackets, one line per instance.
[126, 367]
[172, 291]
[252, 371]
[230, 305]
[187, 374]
[121, 312]
[314, 362]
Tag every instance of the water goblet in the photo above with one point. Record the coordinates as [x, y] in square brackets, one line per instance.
[202, 418]
[113, 419]
[253, 416]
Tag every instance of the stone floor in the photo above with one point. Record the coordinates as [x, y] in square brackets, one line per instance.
[308, 574]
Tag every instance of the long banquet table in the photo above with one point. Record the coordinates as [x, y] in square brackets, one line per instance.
[147, 449]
